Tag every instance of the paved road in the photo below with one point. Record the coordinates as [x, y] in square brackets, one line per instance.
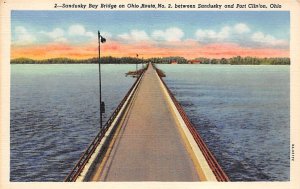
[149, 146]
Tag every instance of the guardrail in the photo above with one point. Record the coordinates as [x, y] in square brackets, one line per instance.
[74, 174]
[211, 160]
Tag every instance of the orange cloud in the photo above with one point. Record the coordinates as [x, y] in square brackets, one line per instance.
[188, 49]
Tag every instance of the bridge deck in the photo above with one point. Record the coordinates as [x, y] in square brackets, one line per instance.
[148, 146]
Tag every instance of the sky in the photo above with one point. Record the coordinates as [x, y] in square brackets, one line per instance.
[190, 34]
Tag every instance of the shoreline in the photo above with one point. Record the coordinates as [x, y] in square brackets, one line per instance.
[237, 60]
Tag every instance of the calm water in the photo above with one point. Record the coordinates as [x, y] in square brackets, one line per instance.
[242, 112]
[55, 115]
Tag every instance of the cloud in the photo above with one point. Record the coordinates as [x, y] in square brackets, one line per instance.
[227, 41]
[74, 31]
[23, 37]
[224, 34]
[57, 35]
[241, 28]
[79, 30]
[134, 36]
[170, 34]
[267, 40]
[57, 32]
[211, 35]
[241, 34]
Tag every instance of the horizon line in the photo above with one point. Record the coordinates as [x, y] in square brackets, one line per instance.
[143, 58]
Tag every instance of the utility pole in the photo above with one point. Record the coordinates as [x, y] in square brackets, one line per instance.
[101, 104]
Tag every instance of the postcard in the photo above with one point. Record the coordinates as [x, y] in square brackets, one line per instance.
[137, 94]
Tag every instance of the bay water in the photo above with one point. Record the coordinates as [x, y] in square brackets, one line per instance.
[55, 115]
[241, 112]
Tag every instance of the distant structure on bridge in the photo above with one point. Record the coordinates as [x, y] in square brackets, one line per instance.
[148, 138]
[194, 62]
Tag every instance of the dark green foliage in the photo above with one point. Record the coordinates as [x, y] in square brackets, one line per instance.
[238, 60]
[168, 60]
[258, 61]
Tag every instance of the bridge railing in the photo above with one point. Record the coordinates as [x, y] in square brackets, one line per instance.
[211, 160]
[85, 157]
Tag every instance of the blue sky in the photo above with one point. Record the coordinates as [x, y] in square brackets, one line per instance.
[255, 29]
[271, 22]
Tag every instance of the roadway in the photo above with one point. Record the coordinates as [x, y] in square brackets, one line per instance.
[148, 145]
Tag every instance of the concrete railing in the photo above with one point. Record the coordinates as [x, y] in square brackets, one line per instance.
[220, 175]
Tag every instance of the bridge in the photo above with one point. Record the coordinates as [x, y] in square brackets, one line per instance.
[148, 138]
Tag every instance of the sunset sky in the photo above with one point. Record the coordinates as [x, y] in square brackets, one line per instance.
[191, 34]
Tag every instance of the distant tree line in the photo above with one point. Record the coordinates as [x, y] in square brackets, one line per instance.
[103, 60]
[238, 60]
[168, 60]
